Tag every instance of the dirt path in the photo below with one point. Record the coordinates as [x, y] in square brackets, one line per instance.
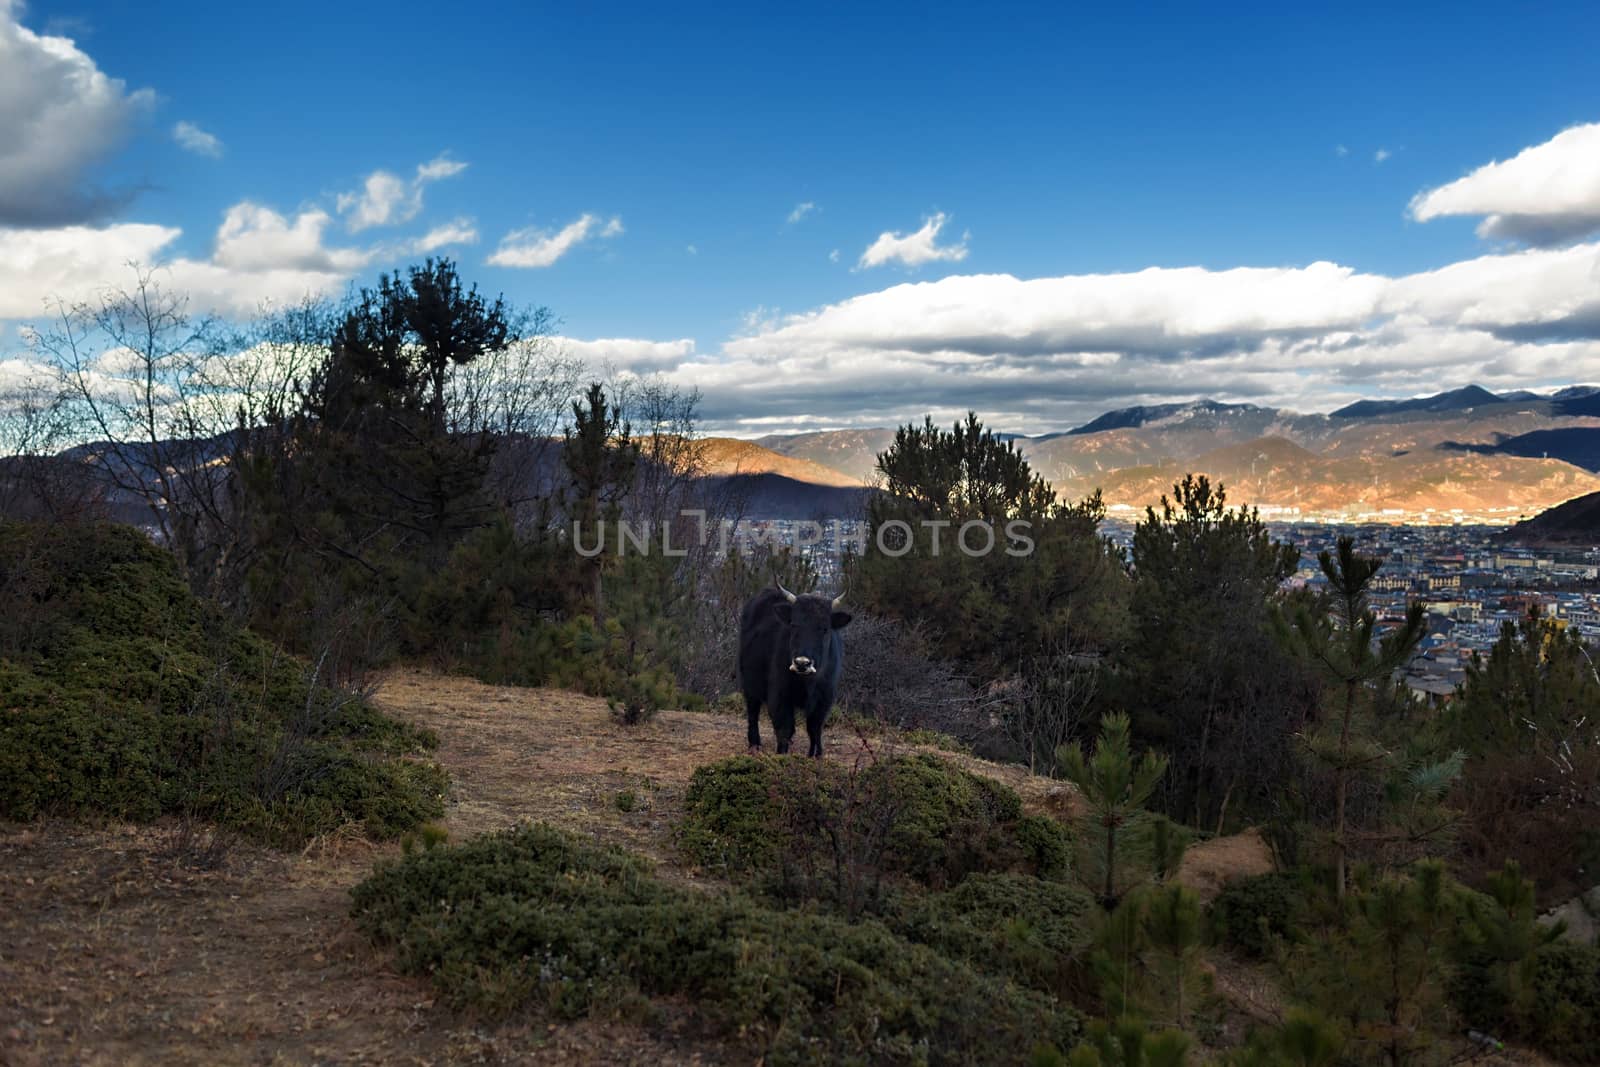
[142, 945]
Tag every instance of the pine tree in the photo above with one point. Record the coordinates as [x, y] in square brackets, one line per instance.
[1127, 1044]
[1058, 580]
[602, 459]
[1505, 930]
[1114, 786]
[1203, 679]
[1339, 642]
[1306, 1039]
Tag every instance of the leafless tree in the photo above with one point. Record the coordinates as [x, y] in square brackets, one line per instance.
[165, 404]
[35, 481]
[892, 674]
[1052, 701]
[517, 394]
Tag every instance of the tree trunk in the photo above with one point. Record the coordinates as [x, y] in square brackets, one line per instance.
[1111, 865]
[1341, 788]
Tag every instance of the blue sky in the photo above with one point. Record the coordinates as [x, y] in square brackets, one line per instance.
[1047, 143]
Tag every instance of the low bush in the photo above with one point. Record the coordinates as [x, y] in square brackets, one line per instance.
[1250, 913]
[123, 694]
[1566, 1001]
[535, 918]
[1030, 931]
[918, 817]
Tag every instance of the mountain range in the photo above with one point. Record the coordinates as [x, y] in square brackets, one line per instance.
[1461, 455]
[1468, 450]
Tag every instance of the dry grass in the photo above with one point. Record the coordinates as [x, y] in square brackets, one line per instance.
[134, 945]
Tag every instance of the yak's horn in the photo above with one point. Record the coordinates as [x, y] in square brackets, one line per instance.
[790, 597]
[838, 600]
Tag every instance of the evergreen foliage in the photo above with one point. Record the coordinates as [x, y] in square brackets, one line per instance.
[843, 832]
[1253, 914]
[534, 918]
[123, 694]
[1056, 578]
[1200, 675]
[1114, 786]
[1339, 639]
[1528, 716]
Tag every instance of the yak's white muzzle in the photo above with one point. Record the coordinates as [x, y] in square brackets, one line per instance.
[802, 665]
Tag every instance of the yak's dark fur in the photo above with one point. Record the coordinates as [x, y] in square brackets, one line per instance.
[773, 635]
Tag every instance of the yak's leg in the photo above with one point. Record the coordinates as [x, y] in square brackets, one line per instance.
[752, 710]
[814, 721]
[782, 711]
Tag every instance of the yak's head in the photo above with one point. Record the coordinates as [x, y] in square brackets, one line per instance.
[811, 619]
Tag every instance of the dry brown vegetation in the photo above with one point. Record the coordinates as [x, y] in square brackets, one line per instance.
[158, 944]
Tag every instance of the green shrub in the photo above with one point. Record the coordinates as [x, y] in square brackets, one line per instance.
[122, 694]
[1047, 845]
[1250, 913]
[636, 696]
[533, 917]
[732, 813]
[1566, 999]
[1013, 925]
[915, 816]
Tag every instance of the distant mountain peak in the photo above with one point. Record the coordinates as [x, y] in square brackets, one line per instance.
[1144, 414]
[1468, 396]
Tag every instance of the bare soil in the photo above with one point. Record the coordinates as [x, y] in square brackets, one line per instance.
[163, 944]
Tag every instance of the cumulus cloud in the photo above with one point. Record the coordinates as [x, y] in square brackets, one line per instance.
[192, 138]
[37, 266]
[259, 256]
[628, 354]
[386, 199]
[800, 211]
[1547, 194]
[913, 249]
[256, 238]
[533, 247]
[60, 115]
[1045, 353]
[1381, 154]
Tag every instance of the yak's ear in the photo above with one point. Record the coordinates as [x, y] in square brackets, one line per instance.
[841, 619]
[785, 612]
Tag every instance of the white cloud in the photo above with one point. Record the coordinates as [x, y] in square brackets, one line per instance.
[460, 231]
[37, 266]
[913, 249]
[259, 256]
[1041, 354]
[60, 115]
[1381, 154]
[193, 139]
[533, 247]
[256, 238]
[386, 199]
[439, 167]
[833, 257]
[692, 250]
[628, 354]
[1546, 194]
[1341, 150]
[800, 211]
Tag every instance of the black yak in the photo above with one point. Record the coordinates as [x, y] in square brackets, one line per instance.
[790, 656]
